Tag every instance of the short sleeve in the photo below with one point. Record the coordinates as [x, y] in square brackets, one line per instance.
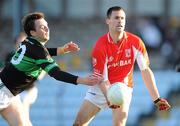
[142, 56]
[99, 62]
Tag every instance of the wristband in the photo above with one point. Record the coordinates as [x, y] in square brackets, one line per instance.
[157, 100]
[62, 50]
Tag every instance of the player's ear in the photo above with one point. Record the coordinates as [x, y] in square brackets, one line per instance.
[107, 20]
[33, 33]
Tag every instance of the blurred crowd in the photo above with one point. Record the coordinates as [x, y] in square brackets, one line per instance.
[162, 37]
[160, 33]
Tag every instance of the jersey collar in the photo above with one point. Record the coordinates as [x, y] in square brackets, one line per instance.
[110, 40]
[33, 40]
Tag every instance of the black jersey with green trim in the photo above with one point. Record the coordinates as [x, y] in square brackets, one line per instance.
[26, 65]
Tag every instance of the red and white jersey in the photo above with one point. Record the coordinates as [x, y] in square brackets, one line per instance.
[115, 61]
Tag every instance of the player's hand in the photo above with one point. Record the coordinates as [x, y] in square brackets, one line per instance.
[162, 104]
[90, 80]
[95, 79]
[112, 106]
[71, 47]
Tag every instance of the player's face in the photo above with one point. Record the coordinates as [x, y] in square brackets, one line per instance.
[41, 32]
[117, 21]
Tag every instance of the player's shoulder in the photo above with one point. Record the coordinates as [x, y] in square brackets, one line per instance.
[132, 36]
[33, 44]
[135, 41]
[102, 40]
[34, 49]
[101, 43]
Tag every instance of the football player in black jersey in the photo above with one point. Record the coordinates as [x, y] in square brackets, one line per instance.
[26, 65]
[29, 96]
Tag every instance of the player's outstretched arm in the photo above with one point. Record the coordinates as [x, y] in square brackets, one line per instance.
[89, 80]
[68, 47]
[60, 75]
[149, 81]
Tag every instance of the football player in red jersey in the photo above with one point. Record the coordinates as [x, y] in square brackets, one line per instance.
[113, 57]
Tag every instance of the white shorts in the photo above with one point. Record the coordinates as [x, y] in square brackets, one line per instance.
[5, 96]
[95, 96]
[29, 95]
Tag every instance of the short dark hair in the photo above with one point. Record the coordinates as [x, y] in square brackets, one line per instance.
[111, 9]
[28, 21]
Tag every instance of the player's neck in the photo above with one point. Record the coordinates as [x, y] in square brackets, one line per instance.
[39, 40]
[116, 37]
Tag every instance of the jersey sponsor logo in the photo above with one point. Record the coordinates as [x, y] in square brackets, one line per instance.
[120, 63]
[110, 59]
[128, 53]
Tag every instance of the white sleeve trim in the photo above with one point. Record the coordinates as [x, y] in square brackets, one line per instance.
[141, 60]
[105, 73]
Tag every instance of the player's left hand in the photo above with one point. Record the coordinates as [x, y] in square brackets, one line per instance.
[112, 106]
[71, 47]
[162, 104]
